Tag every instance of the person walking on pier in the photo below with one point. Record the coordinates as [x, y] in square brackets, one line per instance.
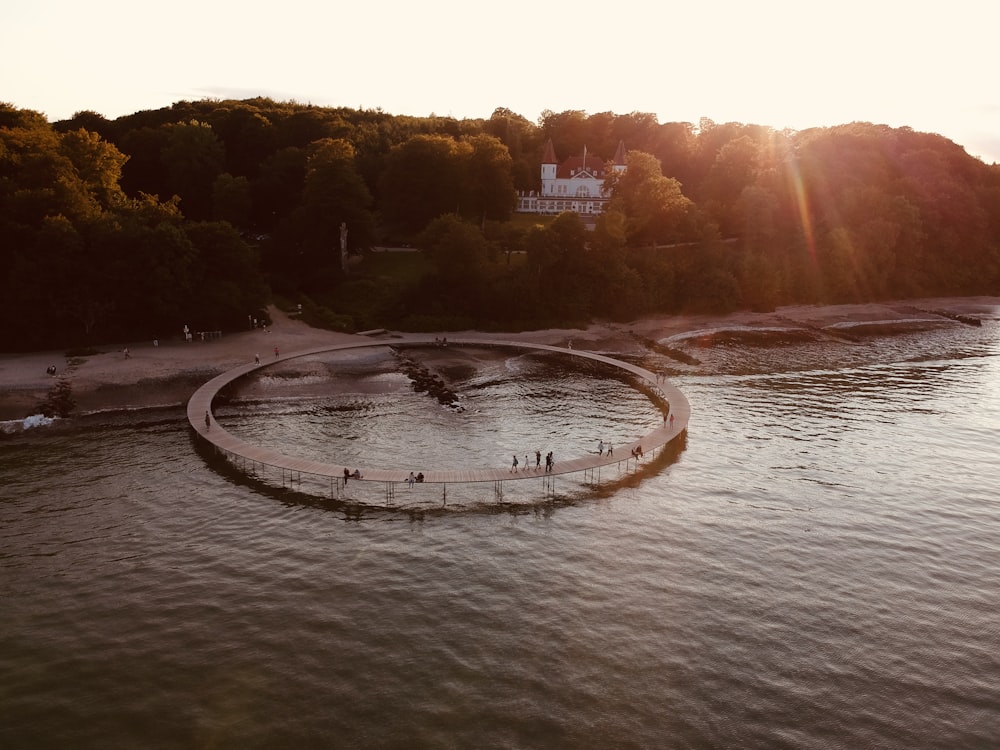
[513, 466]
[208, 421]
[600, 448]
[347, 475]
[538, 460]
[610, 449]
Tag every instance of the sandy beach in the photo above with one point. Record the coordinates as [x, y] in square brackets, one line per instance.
[168, 373]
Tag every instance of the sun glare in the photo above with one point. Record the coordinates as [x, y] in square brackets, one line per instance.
[802, 202]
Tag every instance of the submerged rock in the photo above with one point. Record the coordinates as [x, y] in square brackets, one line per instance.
[425, 381]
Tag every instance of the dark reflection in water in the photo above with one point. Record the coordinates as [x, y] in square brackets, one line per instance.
[818, 567]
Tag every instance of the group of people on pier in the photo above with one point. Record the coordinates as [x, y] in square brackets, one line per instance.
[549, 462]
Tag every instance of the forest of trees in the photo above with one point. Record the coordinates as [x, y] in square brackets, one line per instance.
[204, 212]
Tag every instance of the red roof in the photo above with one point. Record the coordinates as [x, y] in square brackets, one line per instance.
[585, 162]
[594, 165]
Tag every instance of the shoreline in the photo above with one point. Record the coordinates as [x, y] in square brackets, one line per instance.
[168, 374]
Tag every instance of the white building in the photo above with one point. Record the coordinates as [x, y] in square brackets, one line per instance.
[575, 185]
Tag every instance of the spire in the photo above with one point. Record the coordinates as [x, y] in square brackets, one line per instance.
[619, 160]
[549, 157]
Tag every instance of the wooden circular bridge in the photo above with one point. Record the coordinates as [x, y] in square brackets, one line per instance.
[258, 460]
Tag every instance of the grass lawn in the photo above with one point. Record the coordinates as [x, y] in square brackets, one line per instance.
[527, 221]
[403, 269]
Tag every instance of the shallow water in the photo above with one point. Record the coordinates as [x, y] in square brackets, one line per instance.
[818, 567]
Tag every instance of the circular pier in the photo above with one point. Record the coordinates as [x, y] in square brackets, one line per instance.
[256, 459]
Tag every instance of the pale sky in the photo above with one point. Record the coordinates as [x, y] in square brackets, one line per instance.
[930, 66]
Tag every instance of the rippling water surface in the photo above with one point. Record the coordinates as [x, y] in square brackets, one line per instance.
[818, 566]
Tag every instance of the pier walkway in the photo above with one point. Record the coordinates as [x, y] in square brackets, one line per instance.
[240, 451]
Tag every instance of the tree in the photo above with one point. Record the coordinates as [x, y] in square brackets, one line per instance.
[610, 233]
[98, 164]
[226, 280]
[488, 186]
[562, 269]
[193, 157]
[248, 135]
[145, 170]
[278, 188]
[334, 194]
[421, 181]
[146, 263]
[568, 129]
[460, 255]
[734, 168]
[231, 200]
[53, 189]
[68, 289]
[38, 176]
[755, 212]
[457, 249]
[653, 205]
[91, 121]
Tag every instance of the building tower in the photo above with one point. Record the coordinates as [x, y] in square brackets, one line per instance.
[549, 167]
[618, 163]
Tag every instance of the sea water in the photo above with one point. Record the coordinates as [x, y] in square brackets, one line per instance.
[817, 565]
